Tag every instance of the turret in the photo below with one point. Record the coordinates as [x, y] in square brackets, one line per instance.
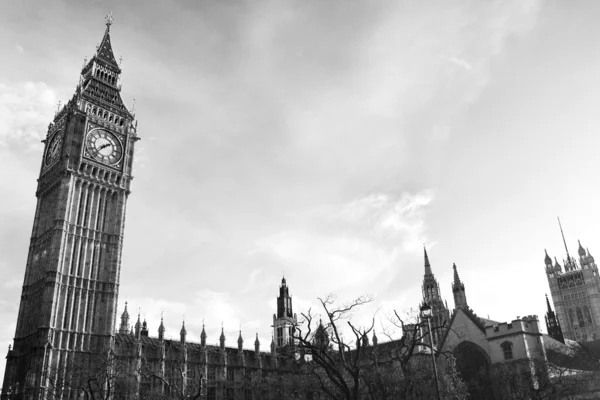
[581, 250]
[124, 327]
[222, 339]
[374, 339]
[547, 260]
[458, 289]
[182, 333]
[273, 347]
[284, 301]
[257, 345]
[557, 266]
[321, 338]
[240, 342]
[285, 320]
[144, 331]
[161, 330]
[203, 336]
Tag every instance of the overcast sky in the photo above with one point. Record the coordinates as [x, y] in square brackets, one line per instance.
[323, 140]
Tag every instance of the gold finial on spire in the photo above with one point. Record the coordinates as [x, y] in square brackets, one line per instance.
[109, 19]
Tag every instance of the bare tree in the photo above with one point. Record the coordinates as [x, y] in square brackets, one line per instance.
[350, 368]
[539, 379]
[175, 385]
[97, 376]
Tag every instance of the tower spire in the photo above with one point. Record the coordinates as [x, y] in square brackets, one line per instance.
[427, 264]
[458, 289]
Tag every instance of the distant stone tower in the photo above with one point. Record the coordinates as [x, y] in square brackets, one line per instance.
[69, 299]
[432, 296]
[576, 294]
[285, 320]
[552, 324]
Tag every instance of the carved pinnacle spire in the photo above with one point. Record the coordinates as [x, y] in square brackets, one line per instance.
[427, 264]
[456, 277]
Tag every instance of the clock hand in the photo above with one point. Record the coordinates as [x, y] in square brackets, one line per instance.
[103, 146]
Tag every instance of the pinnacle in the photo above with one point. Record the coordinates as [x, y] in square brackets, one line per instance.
[427, 264]
[456, 277]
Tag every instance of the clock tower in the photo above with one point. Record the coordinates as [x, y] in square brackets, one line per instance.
[69, 299]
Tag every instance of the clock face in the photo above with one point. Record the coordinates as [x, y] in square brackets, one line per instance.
[54, 147]
[104, 146]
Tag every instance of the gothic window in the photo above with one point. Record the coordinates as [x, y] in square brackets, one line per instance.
[588, 316]
[507, 350]
[230, 374]
[571, 316]
[580, 317]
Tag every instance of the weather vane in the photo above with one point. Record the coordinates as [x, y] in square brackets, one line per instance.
[109, 19]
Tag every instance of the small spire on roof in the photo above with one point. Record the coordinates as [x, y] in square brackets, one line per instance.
[581, 250]
[547, 259]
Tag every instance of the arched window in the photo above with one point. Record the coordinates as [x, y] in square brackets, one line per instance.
[580, 317]
[588, 316]
[507, 350]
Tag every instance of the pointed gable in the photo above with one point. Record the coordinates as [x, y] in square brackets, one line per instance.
[463, 325]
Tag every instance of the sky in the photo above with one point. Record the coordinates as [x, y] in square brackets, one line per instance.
[323, 141]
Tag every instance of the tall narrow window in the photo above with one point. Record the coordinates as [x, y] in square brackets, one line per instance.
[507, 350]
[571, 316]
[580, 317]
[588, 316]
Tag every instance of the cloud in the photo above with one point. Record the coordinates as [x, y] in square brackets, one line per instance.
[349, 245]
[19, 48]
[462, 63]
[25, 111]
